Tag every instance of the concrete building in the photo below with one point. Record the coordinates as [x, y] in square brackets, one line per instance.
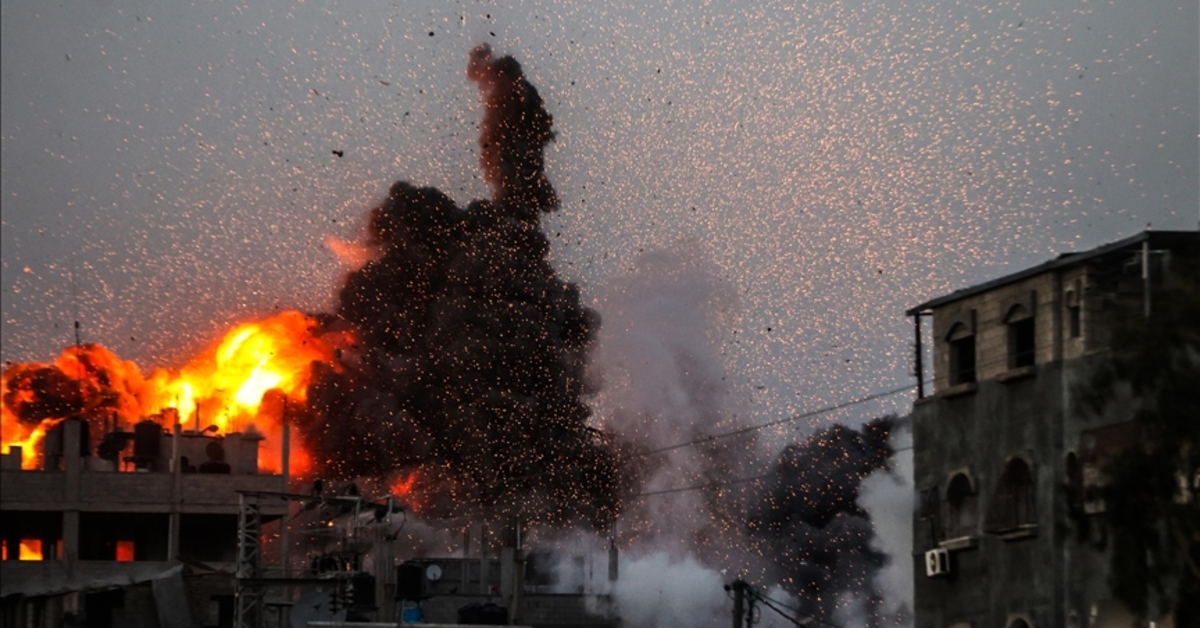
[1003, 450]
[130, 530]
[146, 539]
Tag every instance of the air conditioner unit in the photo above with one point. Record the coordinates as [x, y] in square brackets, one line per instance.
[937, 562]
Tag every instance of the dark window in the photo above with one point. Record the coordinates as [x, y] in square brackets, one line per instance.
[123, 536]
[962, 360]
[1074, 482]
[962, 355]
[962, 517]
[30, 535]
[1012, 505]
[1021, 337]
[210, 538]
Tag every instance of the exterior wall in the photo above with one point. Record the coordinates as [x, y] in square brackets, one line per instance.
[77, 491]
[980, 431]
[991, 333]
[111, 491]
[1053, 575]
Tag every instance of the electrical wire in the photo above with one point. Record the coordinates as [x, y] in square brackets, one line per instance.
[769, 602]
[795, 417]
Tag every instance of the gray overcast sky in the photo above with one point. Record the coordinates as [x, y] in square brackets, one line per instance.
[835, 161]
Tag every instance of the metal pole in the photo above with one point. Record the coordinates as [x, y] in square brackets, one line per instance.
[1146, 276]
[284, 455]
[920, 370]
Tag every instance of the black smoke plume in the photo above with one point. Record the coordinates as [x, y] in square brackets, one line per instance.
[469, 366]
[808, 518]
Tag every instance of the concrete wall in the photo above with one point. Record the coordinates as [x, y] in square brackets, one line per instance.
[110, 491]
[979, 432]
[1049, 575]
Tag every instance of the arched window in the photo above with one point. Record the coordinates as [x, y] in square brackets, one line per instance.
[1018, 622]
[962, 519]
[1012, 505]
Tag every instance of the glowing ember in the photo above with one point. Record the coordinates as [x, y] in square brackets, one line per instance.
[222, 390]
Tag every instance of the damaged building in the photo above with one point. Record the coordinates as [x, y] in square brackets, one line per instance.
[1009, 460]
[129, 529]
[104, 535]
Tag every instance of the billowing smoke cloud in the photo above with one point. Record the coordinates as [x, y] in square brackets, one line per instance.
[810, 521]
[469, 365]
[87, 380]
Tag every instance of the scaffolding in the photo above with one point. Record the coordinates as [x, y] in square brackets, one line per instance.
[253, 582]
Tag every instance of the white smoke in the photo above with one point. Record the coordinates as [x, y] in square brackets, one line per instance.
[890, 498]
[663, 382]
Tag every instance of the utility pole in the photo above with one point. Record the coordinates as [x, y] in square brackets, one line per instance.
[739, 601]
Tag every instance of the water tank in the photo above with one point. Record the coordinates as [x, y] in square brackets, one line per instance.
[147, 440]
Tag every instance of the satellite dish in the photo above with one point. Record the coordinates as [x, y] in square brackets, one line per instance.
[314, 606]
[433, 573]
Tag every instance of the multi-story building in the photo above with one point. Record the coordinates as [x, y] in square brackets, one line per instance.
[135, 532]
[1004, 450]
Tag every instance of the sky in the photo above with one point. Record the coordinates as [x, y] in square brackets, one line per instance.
[169, 169]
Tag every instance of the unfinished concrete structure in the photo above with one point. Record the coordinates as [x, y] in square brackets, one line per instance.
[145, 539]
[1002, 449]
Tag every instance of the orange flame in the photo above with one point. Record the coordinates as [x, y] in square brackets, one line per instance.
[223, 388]
[31, 549]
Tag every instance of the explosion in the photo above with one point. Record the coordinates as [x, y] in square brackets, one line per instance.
[222, 390]
[453, 373]
[455, 360]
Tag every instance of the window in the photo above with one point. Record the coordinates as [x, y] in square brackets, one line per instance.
[30, 535]
[123, 536]
[1012, 505]
[962, 354]
[961, 517]
[1074, 482]
[1021, 337]
[1074, 318]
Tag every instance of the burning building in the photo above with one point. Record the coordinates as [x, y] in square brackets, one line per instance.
[451, 372]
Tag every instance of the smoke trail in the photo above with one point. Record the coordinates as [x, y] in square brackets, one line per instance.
[470, 361]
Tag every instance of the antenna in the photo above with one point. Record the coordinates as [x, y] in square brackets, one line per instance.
[75, 302]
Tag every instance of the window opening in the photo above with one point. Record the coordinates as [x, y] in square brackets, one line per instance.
[961, 511]
[962, 355]
[1012, 505]
[1022, 339]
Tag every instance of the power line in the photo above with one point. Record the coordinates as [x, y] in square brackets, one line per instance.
[756, 594]
[700, 486]
[796, 417]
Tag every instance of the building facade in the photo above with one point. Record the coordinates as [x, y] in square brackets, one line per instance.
[126, 536]
[1005, 453]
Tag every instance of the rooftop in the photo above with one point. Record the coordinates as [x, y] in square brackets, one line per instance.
[1156, 239]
